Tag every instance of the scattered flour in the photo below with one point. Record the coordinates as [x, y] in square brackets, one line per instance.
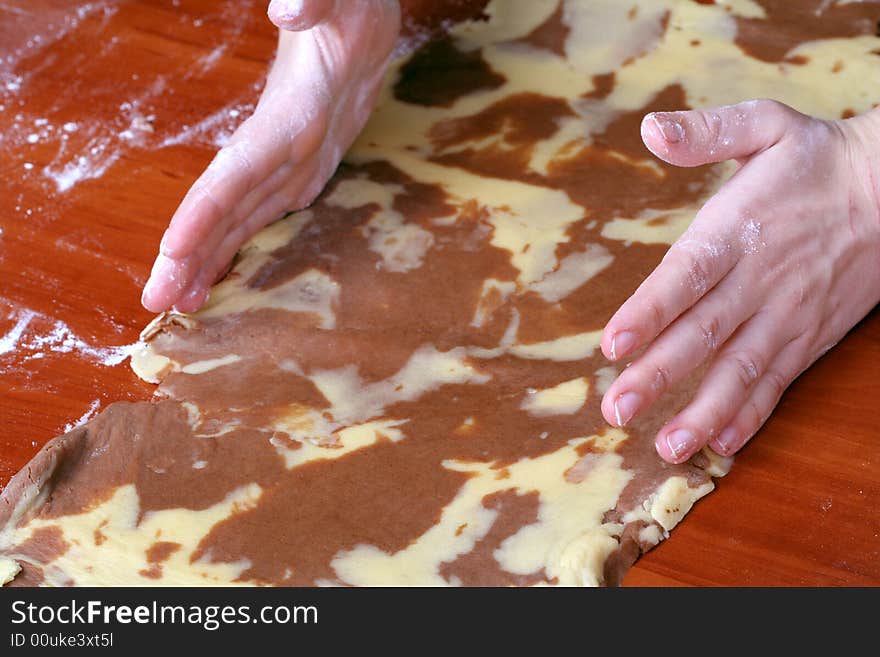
[62, 340]
[69, 152]
[29, 338]
[9, 341]
[214, 129]
[96, 159]
[751, 236]
[55, 23]
[207, 62]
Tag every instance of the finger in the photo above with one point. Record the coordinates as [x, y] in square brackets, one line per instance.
[298, 15]
[690, 269]
[232, 176]
[695, 137]
[168, 280]
[188, 272]
[252, 200]
[229, 177]
[255, 198]
[764, 398]
[681, 348]
[198, 292]
[253, 155]
[171, 278]
[211, 260]
[725, 388]
[272, 209]
[193, 299]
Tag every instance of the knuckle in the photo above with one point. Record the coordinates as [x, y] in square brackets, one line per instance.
[656, 314]
[208, 195]
[696, 264]
[754, 416]
[236, 156]
[718, 415]
[747, 366]
[797, 301]
[710, 124]
[245, 160]
[777, 383]
[699, 274]
[661, 381]
[806, 336]
[708, 331]
[306, 142]
[773, 108]
[770, 105]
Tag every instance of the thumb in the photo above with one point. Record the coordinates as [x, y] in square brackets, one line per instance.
[299, 15]
[695, 137]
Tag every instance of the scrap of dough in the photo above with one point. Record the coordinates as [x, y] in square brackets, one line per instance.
[9, 568]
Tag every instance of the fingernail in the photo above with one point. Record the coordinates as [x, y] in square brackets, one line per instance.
[670, 127]
[625, 406]
[622, 343]
[726, 440]
[681, 442]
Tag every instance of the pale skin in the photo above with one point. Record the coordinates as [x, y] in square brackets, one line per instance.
[318, 95]
[773, 271]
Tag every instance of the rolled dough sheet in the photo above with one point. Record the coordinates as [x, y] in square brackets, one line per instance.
[400, 384]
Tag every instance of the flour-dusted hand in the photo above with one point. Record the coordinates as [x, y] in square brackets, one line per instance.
[773, 271]
[319, 93]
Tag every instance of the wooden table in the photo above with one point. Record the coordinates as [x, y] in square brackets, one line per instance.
[108, 112]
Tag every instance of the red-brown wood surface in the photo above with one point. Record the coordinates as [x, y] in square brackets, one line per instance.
[108, 112]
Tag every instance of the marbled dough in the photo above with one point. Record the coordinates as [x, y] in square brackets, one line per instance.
[401, 384]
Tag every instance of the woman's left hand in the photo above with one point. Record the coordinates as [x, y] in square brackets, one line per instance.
[773, 271]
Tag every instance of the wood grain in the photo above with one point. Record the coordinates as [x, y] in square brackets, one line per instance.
[108, 112]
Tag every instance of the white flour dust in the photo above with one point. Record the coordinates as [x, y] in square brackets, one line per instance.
[83, 149]
[215, 129]
[106, 143]
[9, 341]
[751, 236]
[55, 25]
[207, 62]
[61, 339]
[98, 156]
[33, 335]
[65, 153]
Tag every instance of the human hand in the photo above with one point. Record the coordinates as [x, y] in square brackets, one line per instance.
[319, 93]
[773, 271]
